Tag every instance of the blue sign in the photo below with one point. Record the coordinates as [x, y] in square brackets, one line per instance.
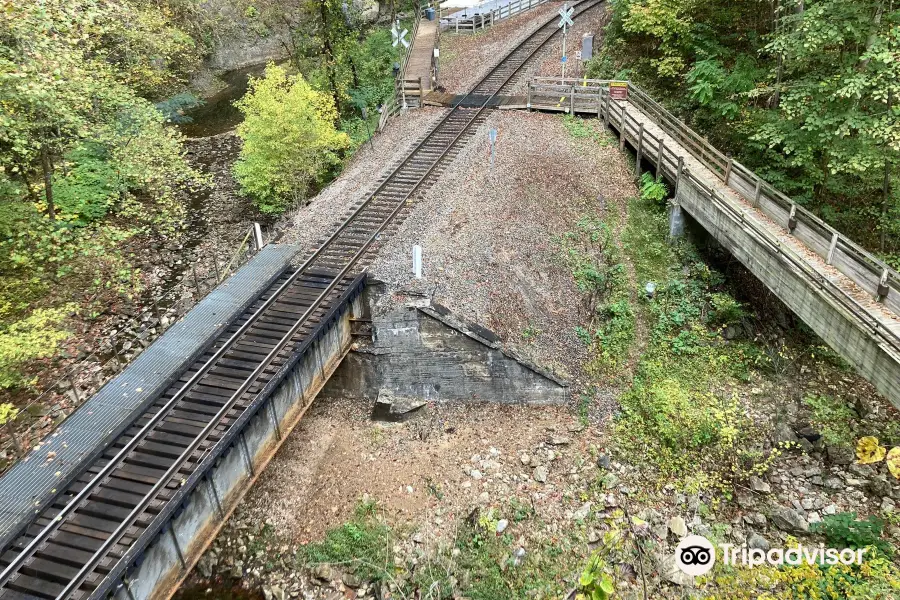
[493, 135]
[563, 59]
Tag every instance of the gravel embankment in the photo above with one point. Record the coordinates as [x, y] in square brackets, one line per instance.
[309, 223]
[488, 236]
[466, 58]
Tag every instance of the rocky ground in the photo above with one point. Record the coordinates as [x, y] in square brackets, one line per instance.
[490, 238]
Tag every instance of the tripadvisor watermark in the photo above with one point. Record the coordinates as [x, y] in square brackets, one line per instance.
[696, 555]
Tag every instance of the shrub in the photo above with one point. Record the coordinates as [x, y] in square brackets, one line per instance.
[29, 339]
[290, 142]
[653, 190]
[843, 530]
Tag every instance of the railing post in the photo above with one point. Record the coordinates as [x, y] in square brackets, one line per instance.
[659, 156]
[832, 247]
[640, 147]
[606, 112]
[421, 91]
[622, 129]
[678, 175]
[530, 87]
[572, 101]
[883, 288]
[728, 170]
[757, 192]
[792, 218]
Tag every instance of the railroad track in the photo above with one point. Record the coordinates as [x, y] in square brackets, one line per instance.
[79, 545]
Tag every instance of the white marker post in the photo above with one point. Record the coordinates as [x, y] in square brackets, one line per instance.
[565, 21]
[417, 261]
[492, 135]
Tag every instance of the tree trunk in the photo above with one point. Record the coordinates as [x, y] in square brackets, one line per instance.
[47, 166]
[885, 203]
[329, 53]
[873, 34]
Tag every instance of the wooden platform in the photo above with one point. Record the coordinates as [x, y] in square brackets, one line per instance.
[435, 98]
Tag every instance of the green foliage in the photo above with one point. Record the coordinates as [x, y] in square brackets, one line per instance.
[586, 129]
[653, 190]
[29, 339]
[700, 438]
[86, 162]
[594, 583]
[834, 419]
[877, 578]
[807, 94]
[843, 530]
[8, 413]
[362, 545]
[589, 252]
[290, 143]
[725, 310]
[90, 186]
[644, 239]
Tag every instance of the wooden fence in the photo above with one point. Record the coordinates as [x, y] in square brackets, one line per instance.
[481, 21]
[592, 96]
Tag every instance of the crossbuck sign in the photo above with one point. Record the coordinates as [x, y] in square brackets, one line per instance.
[565, 19]
[399, 37]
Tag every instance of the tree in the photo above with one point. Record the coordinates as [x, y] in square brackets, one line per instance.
[290, 142]
[838, 124]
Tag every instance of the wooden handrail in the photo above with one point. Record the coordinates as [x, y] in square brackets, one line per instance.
[861, 266]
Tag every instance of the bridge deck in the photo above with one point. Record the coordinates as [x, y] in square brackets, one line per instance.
[32, 482]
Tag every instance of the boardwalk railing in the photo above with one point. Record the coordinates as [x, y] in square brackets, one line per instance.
[478, 22]
[591, 96]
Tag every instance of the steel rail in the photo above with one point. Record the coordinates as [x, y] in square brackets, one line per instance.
[180, 463]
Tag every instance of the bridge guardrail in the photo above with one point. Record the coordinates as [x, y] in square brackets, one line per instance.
[862, 267]
[670, 165]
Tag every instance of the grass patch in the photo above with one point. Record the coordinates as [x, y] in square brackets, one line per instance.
[644, 240]
[677, 415]
[834, 418]
[362, 545]
[482, 565]
[580, 128]
[593, 259]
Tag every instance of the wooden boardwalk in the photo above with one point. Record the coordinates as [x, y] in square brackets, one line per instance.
[849, 297]
[422, 53]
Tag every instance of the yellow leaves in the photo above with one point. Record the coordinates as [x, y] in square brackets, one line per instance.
[893, 462]
[869, 451]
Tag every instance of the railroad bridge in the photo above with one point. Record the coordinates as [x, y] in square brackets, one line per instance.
[144, 474]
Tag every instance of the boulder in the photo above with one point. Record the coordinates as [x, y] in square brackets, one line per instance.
[789, 520]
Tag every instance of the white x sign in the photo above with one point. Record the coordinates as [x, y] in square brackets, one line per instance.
[565, 17]
[399, 37]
